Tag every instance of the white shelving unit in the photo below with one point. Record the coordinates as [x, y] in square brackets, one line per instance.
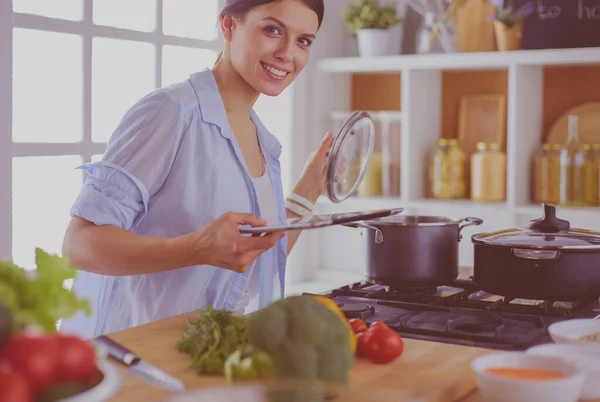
[340, 248]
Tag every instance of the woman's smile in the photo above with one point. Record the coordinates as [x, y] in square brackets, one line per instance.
[274, 72]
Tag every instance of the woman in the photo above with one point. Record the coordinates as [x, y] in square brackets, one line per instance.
[155, 229]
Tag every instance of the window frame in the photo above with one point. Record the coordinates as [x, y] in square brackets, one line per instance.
[86, 148]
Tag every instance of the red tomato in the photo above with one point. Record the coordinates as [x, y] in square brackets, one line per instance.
[382, 345]
[76, 360]
[358, 325]
[13, 386]
[34, 357]
[360, 344]
[379, 324]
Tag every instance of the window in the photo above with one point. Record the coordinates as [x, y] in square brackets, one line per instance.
[70, 58]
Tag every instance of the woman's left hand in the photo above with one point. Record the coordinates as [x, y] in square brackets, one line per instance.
[312, 182]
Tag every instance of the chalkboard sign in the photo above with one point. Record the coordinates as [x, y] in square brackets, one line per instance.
[562, 24]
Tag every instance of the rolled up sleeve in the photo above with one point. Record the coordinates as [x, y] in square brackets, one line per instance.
[138, 158]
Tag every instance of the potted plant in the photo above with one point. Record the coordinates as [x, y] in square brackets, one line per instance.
[508, 25]
[371, 23]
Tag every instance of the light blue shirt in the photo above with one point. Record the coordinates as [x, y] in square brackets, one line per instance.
[172, 166]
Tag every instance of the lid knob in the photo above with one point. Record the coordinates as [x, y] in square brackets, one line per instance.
[549, 223]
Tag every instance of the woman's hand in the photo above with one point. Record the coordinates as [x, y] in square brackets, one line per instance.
[221, 244]
[312, 182]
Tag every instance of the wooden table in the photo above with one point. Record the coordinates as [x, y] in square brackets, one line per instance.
[430, 365]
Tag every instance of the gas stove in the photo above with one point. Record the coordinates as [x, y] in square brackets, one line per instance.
[460, 313]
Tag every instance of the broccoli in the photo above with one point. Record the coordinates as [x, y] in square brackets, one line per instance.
[306, 341]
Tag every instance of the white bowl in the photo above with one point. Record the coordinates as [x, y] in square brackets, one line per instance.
[105, 390]
[500, 389]
[585, 357]
[570, 331]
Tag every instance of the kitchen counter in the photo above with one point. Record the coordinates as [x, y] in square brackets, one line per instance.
[432, 366]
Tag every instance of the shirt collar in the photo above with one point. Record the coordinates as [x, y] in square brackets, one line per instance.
[212, 111]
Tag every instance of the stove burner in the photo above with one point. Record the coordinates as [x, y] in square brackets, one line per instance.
[458, 313]
[474, 323]
[357, 310]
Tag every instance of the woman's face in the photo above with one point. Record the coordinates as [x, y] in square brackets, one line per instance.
[271, 45]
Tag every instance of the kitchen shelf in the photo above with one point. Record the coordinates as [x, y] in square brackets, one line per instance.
[523, 76]
[461, 61]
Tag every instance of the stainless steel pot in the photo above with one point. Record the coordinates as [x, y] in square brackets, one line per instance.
[411, 251]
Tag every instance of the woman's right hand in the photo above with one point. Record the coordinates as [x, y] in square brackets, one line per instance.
[221, 244]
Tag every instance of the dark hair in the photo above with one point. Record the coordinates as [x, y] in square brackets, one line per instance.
[239, 8]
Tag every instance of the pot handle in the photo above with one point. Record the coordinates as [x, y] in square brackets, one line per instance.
[468, 221]
[362, 225]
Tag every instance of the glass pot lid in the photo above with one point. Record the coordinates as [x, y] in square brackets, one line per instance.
[350, 156]
[548, 232]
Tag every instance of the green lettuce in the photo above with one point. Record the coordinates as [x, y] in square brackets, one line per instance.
[38, 298]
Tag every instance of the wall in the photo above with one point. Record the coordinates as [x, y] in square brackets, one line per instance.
[564, 87]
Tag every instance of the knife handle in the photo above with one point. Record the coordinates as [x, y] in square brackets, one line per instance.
[117, 351]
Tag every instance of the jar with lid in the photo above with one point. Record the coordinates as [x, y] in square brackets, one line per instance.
[447, 174]
[488, 173]
[457, 163]
[541, 174]
[591, 176]
[572, 161]
[438, 171]
[554, 173]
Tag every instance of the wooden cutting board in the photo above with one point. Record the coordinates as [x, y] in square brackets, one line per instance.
[436, 372]
[589, 124]
[474, 30]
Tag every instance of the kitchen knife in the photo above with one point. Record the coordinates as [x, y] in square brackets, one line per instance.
[139, 368]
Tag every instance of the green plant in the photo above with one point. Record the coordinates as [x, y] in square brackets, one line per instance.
[369, 14]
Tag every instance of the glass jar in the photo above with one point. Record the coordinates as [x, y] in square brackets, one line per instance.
[541, 174]
[457, 163]
[448, 171]
[488, 173]
[591, 174]
[572, 161]
[438, 171]
[554, 173]
[390, 143]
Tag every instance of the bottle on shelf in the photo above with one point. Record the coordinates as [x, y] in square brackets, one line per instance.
[572, 161]
[488, 173]
[591, 174]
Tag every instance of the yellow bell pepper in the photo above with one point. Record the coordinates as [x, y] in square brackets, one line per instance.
[332, 305]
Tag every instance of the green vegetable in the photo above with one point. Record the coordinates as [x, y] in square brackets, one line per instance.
[306, 341]
[368, 14]
[38, 298]
[214, 336]
[6, 323]
[248, 364]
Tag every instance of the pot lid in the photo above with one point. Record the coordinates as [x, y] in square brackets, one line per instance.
[350, 156]
[548, 232]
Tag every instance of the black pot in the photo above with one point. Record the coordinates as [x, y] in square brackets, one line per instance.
[547, 261]
[413, 252]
